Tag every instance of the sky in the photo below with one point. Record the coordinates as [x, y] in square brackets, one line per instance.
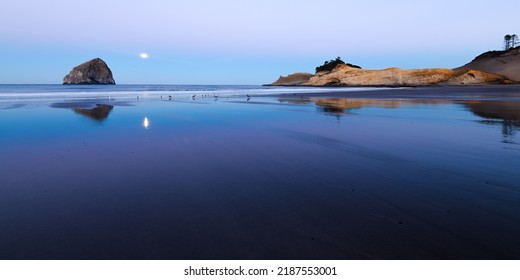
[242, 42]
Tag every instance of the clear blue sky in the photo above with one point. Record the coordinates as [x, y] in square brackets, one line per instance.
[242, 42]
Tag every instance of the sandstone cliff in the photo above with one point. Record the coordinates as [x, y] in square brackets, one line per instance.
[343, 75]
[505, 63]
[293, 79]
[95, 71]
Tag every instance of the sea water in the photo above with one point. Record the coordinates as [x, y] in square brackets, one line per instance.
[9, 93]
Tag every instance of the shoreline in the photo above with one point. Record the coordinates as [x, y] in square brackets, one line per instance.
[447, 92]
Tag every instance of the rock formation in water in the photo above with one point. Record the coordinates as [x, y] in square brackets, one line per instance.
[100, 112]
[505, 63]
[95, 71]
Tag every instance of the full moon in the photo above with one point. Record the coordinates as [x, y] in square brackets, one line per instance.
[143, 55]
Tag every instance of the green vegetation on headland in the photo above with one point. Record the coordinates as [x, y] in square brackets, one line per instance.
[331, 64]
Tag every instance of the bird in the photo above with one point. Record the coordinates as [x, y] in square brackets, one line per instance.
[193, 96]
[169, 97]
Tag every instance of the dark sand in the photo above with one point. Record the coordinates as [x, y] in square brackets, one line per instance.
[305, 176]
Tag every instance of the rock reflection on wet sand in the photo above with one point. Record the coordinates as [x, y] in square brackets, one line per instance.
[341, 105]
[507, 110]
[495, 109]
[498, 112]
[347, 103]
[99, 113]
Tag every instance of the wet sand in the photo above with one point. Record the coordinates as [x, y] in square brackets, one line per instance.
[450, 93]
[428, 173]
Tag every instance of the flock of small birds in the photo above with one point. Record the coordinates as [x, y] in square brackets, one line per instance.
[193, 96]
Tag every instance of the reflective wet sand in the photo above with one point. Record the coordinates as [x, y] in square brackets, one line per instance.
[282, 177]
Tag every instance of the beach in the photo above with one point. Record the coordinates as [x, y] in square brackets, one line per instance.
[244, 173]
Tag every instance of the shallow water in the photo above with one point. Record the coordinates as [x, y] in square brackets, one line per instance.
[269, 178]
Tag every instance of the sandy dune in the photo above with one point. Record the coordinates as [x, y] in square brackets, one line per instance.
[505, 63]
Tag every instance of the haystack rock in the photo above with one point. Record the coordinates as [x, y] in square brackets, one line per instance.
[93, 72]
[505, 63]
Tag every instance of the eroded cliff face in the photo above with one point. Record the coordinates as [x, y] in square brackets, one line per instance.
[505, 63]
[344, 75]
[293, 79]
[95, 71]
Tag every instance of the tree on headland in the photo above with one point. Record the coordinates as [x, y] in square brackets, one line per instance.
[507, 41]
[514, 40]
[331, 64]
[510, 41]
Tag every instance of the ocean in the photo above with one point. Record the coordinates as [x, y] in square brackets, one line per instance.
[251, 172]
